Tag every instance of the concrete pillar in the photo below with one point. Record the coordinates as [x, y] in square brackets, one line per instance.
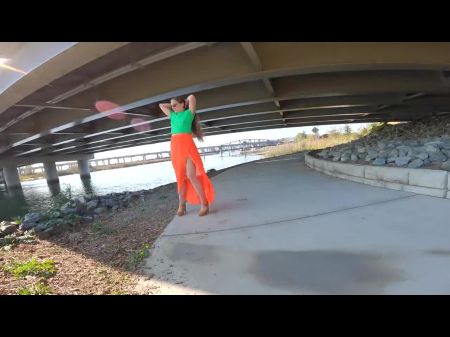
[11, 176]
[54, 187]
[87, 186]
[51, 174]
[83, 167]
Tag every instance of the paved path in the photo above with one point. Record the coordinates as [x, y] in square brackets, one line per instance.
[278, 227]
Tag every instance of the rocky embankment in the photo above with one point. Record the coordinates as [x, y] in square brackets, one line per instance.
[424, 144]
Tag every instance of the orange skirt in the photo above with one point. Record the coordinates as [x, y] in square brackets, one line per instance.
[182, 147]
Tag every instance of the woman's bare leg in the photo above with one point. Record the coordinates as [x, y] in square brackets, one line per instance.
[181, 202]
[190, 170]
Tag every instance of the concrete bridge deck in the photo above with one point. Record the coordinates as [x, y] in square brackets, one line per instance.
[48, 108]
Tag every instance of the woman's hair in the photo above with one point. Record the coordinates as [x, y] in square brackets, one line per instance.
[196, 127]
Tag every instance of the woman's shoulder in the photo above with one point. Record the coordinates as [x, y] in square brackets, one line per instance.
[189, 110]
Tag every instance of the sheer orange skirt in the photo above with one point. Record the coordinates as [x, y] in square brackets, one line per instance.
[182, 147]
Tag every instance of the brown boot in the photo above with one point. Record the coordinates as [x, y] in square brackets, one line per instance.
[204, 210]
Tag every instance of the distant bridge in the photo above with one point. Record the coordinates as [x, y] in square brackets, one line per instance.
[243, 146]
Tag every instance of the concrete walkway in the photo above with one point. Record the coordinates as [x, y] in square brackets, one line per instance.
[278, 227]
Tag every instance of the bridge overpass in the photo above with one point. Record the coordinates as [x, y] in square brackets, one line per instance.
[47, 111]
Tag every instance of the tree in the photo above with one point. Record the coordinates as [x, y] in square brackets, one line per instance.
[300, 136]
[347, 129]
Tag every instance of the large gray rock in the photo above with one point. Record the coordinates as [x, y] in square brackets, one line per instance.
[371, 155]
[404, 151]
[446, 145]
[402, 161]
[91, 205]
[108, 202]
[360, 149]
[30, 221]
[445, 165]
[26, 239]
[80, 200]
[379, 162]
[41, 227]
[437, 156]
[371, 152]
[353, 157]
[381, 145]
[346, 153]
[323, 154]
[416, 163]
[437, 144]
[32, 217]
[446, 152]
[393, 153]
[136, 195]
[89, 197]
[99, 210]
[431, 148]
[422, 155]
[7, 223]
[8, 228]
[80, 207]
[411, 143]
[87, 219]
[68, 209]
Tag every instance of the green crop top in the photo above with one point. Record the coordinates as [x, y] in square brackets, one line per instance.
[181, 122]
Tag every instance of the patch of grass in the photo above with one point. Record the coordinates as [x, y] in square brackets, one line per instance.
[308, 144]
[118, 292]
[372, 128]
[100, 228]
[17, 220]
[44, 269]
[61, 198]
[39, 289]
[8, 241]
[137, 257]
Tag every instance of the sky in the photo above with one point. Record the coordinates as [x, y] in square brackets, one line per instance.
[227, 138]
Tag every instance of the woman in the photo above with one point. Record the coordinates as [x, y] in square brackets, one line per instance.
[193, 184]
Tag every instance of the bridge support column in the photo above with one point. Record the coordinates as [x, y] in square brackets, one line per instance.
[51, 174]
[83, 167]
[11, 176]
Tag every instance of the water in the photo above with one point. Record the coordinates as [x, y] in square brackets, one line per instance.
[37, 194]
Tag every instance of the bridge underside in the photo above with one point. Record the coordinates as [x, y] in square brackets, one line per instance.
[240, 86]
